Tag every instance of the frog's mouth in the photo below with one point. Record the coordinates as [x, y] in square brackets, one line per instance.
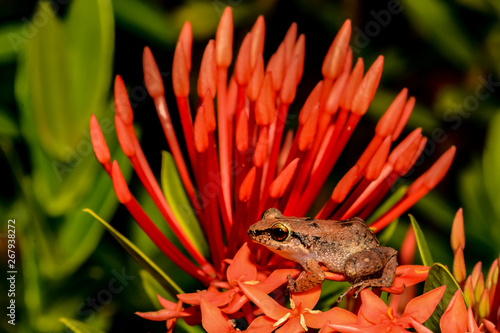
[253, 234]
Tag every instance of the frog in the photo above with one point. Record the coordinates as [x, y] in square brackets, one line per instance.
[346, 247]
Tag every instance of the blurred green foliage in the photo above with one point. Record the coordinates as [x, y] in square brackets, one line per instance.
[56, 66]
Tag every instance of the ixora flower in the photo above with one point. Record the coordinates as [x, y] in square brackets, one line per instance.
[375, 316]
[239, 161]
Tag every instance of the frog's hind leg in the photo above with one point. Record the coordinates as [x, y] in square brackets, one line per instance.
[375, 267]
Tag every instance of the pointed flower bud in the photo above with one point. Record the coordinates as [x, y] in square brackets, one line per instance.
[224, 39]
[200, 131]
[122, 103]
[265, 111]
[459, 265]
[101, 149]
[367, 87]
[334, 59]
[258, 35]
[281, 183]
[208, 71]
[457, 231]
[152, 76]
[247, 186]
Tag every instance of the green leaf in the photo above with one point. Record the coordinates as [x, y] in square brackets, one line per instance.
[146, 263]
[91, 57]
[79, 327]
[436, 22]
[423, 248]
[439, 276]
[52, 76]
[180, 204]
[78, 236]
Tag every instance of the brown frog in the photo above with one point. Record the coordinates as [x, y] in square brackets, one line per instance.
[347, 247]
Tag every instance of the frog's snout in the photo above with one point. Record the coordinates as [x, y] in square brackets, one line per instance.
[251, 233]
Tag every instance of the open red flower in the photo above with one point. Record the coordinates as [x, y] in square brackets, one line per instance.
[237, 160]
[375, 316]
[299, 317]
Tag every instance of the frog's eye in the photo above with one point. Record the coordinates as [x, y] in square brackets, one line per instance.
[279, 232]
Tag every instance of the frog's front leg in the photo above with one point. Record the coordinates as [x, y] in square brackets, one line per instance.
[303, 282]
[361, 269]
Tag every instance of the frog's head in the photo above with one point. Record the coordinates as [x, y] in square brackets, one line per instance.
[276, 232]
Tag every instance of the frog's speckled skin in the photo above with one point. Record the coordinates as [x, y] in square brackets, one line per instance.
[346, 247]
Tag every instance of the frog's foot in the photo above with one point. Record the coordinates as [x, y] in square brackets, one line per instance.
[292, 284]
[361, 285]
[305, 282]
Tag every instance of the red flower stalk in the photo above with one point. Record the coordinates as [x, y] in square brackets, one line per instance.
[238, 163]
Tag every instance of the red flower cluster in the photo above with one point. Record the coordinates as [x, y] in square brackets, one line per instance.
[239, 162]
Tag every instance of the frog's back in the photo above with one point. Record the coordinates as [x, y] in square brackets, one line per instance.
[337, 240]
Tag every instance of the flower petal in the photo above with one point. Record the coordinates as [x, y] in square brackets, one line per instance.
[454, 317]
[242, 268]
[336, 315]
[422, 307]
[471, 322]
[308, 298]
[292, 325]
[270, 307]
[262, 324]
[374, 309]
[213, 320]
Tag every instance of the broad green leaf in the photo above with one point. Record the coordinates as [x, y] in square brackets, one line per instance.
[78, 236]
[436, 22]
[79, 327]
[91, 58]
[180, 204]
[47, 82]
[53, 120]
[153, 288]
[146, 263]
[423, 248]
[439, 276]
